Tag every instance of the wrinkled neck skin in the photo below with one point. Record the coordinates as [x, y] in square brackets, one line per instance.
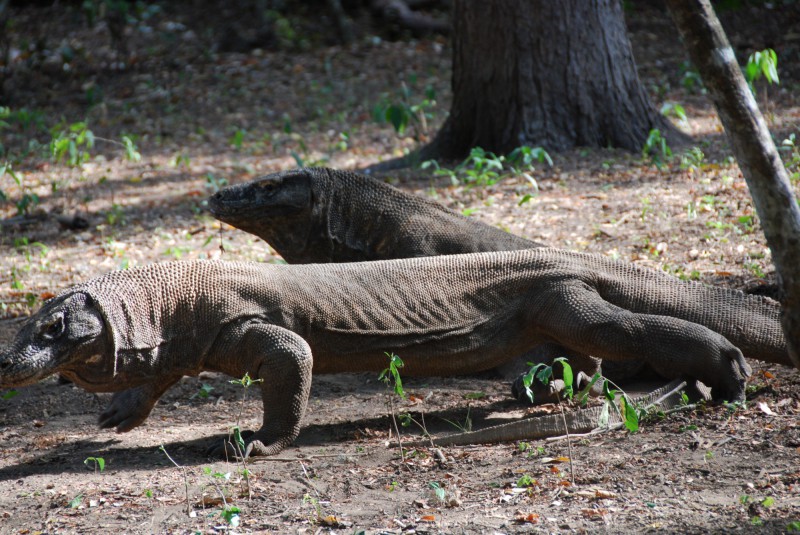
[351, 219]
[95, 371]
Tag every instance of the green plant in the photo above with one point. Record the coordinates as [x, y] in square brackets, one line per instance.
[214, 183]
[544, 374]
[690, 78]
[763, 63]
[438, 491]
[656, 149]
[98, 463]
[526, 481]
[238, 138]
[674, 110]
[693, 159]
[204, 391]
[231, 515]
[790, 147]
[484, 168]
[405, 110]
[70, 143]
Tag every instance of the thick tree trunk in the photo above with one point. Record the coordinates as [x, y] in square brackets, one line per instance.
[544, 73]
[753, 147]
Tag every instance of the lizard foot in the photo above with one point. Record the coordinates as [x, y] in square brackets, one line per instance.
[549, 393]
[254, 446]
[127, 410]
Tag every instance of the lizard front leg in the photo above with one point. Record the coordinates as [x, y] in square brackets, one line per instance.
[129, 408]
[281, 360]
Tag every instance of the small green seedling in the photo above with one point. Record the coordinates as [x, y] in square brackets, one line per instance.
[98, 463]
[391, 375]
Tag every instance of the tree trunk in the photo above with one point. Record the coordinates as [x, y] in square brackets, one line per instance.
[753, 147]
[544, 73]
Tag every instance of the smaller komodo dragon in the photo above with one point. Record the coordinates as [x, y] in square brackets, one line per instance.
[136, 332]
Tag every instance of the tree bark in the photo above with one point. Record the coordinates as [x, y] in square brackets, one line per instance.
[753, 147]
[543, 73]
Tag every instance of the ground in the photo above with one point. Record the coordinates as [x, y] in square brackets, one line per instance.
[200, 117]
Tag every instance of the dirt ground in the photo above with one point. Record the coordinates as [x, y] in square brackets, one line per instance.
[201, 117]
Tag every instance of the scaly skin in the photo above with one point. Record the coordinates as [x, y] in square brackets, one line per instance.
[137, 331]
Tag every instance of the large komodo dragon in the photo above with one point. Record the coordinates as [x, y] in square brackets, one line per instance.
[136, 332]
[323, 215]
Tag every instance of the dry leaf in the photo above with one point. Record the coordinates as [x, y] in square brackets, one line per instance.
[428, 518]
[594, 514]
[531, 518]
[554, 460]
[763, 407]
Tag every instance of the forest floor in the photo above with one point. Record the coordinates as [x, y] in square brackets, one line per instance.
[201, 119]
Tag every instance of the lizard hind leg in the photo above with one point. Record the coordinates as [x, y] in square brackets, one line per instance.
[674, 347]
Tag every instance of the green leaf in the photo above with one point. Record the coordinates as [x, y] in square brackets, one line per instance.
[610, 394]
[237, 438]
[398, 117]
[584, 393]
[10, 394]
[99, 462]
[630, 415]
[567, 375]
[75, 502]
[602, 421]
[525, 199]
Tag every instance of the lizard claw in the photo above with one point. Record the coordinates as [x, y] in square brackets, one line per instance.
[127, 410]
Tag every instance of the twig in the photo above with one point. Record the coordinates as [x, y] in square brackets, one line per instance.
[569, 443]
[310, 483]
[185, 479]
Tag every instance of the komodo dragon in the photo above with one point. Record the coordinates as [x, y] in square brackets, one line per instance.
[136, 332]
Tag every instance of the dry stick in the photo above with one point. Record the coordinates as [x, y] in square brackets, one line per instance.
[569, 443]
[185, 479]
[397, 431]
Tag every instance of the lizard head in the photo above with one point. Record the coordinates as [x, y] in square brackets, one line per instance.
[269, 197]
[276, 207]
[66, 330]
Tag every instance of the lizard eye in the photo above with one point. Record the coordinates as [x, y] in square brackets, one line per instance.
[53, 328]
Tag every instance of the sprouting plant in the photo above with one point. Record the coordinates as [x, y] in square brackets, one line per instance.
[656, 149]
[405, 110]
[485, 168]
[763, 63]
[215, 183]
[791, 147]
[204, 391]
[674, 110]
[238, 138]
[438, 491]
[98, 463]
[70, 143]
[544, 374]
[693, 159]
[690, 78]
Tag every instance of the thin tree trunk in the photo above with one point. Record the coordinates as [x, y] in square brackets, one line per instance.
[753, 147]
[552, 74]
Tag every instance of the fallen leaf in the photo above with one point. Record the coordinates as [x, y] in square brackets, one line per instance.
[531, 518]
[594, 514]
[428, 518]
[554, 460]
[763, 407]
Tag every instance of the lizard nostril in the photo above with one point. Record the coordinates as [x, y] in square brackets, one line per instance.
[5, 364]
